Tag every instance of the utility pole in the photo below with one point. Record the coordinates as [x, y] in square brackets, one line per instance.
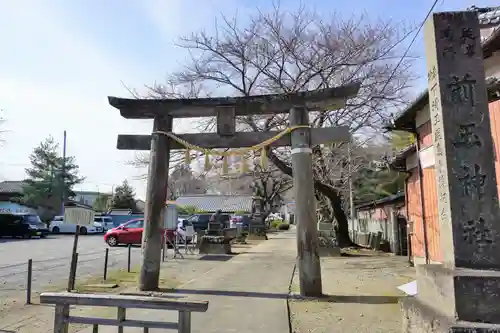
[308, 261]
[63, 173]
[351, 191]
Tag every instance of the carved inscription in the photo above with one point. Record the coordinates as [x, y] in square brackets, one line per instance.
[477, 232]
[448, 35]
[463, 90]
[432, 75]
[466, 137]
[468, 42]
[472, 181]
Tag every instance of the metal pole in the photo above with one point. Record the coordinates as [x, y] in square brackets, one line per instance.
[163, 246]
[106, 255]
[28, 281]
[351, 191]
[63, 178]
[129, 257]
[308, 262]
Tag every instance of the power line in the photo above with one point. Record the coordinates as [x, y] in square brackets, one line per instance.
[409, 46]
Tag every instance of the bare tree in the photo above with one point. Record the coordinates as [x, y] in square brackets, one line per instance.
[183, 181]
[233, 183]
[270, 184]
[281, 51]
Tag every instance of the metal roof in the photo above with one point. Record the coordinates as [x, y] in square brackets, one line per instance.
[398, 197]
[11, 186]
[488, 15]
[211, 203]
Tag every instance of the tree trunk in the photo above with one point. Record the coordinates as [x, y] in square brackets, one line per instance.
[342, 230]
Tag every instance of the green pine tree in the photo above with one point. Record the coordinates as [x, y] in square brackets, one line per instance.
[49, 176]
[101, 204]
[124, 197]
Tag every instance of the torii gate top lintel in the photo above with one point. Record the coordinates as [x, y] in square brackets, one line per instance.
[257, 104]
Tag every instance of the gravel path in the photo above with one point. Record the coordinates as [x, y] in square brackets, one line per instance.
[362, 296]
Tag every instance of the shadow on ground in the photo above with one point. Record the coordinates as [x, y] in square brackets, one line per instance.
[360, 299]
[226, 293]
[327, 298]
[217, 257]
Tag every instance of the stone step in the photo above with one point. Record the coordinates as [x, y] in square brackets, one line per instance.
[465, 294]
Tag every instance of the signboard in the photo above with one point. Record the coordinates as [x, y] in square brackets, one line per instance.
[170, 217]
[78, 215]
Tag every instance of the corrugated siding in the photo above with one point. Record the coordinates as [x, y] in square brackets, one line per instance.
[415, 213]
[431, 210]
[430, 191]
[431, 213]
[495, 133]
[425, 134]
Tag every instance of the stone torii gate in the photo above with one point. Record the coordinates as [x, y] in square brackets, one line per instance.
[226, 109]
[463, 293]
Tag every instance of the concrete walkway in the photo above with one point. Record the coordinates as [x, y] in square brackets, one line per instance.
[246, 294]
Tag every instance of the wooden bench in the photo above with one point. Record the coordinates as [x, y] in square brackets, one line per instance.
[64, 300]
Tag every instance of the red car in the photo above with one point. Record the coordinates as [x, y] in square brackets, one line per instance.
[131, 233]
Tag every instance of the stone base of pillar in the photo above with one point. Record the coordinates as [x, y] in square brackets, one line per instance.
[214, 248]
[329, 251]
[420, 318]
[453, 300]
[256, 237]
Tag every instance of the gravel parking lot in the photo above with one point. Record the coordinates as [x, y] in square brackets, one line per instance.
[51, 260]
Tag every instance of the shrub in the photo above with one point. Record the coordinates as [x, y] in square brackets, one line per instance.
[284, 226]
[275, 224]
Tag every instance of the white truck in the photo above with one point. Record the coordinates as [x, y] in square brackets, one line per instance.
[74, 216]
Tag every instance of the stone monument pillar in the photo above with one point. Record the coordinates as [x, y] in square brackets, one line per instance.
[463, 293]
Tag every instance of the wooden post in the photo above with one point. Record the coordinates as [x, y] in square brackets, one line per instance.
[120, 316]
[184, 322]
[395, 239]
[74, 260]
[155, 204]
[61, 313]
[307, 238]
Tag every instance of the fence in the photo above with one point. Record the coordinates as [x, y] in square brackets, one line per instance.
[35, 276]
[63, 301]
[366, 226]
[372, 232]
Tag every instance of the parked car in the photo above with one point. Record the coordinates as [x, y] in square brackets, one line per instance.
[200, 221]
[59, 225]
[22, 225]
[103, 223]
[131, 233]
[240, 221]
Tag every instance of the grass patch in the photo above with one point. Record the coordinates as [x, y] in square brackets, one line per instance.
[124, 280]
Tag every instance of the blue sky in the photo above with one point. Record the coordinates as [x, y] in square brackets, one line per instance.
[59, 61]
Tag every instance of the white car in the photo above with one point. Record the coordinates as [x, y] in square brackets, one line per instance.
[57, 226]
[103, 223]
